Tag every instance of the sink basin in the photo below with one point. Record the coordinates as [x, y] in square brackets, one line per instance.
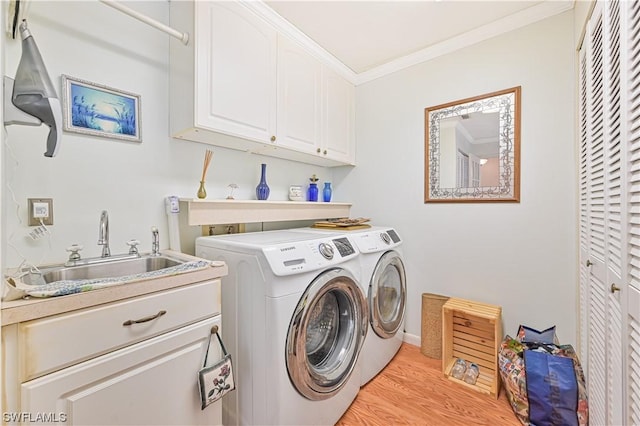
[102, 269]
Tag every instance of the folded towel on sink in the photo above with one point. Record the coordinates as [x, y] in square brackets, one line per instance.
[65, 287]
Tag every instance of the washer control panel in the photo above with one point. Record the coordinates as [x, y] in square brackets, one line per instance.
[344, 247]
[326, 250]
[304, 256]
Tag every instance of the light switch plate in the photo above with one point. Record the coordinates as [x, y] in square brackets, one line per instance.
[33, 221]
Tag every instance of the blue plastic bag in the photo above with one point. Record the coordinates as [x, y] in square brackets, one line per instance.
[552, 389]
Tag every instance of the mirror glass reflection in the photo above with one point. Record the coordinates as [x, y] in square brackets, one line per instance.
[472, 149]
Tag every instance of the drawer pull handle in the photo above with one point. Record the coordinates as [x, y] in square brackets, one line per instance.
[145, 319]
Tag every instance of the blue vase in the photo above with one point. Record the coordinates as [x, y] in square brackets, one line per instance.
[326, 192]
[262, 190]
[312, 193]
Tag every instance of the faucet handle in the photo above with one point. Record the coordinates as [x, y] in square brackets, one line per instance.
[74, 251]
[133, 246]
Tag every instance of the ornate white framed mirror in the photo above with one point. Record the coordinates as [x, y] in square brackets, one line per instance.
[472, 149]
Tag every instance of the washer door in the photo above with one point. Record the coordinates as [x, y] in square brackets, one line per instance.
[387, 295]
[325, 334]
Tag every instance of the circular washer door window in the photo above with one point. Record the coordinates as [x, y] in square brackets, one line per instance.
[325, 334]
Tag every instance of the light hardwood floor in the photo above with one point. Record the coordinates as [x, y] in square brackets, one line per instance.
[412, 390]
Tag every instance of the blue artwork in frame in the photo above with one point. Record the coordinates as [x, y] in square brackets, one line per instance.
[98, 110]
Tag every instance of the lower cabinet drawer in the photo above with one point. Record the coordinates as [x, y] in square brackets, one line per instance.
[52, 343]
[153, 382]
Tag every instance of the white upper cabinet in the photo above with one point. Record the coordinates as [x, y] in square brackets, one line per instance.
[338, 109]
[235, 66]
[299, 102]
[243, 85]
[224, 80]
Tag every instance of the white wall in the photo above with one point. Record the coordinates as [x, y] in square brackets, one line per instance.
[521, 256]
[91, 41]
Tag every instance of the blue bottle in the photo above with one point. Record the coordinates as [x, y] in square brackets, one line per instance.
[262, 190]
[326, 192]
[312, 193]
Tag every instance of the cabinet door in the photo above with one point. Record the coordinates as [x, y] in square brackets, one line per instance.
[152, 382]
[41, 357]
[299, 78]
[338, 118]
[235, 85]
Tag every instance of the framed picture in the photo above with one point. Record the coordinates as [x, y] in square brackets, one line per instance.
[94, 109]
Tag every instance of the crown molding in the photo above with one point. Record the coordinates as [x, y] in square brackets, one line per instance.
[512, 22]
[517, 20]
[286, 28]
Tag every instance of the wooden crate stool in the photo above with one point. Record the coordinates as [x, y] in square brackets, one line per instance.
[472, 331]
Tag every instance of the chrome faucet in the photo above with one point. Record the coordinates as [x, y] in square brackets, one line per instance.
[103, 235]
[155, 241]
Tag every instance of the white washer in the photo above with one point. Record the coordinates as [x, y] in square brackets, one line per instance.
[384, 283]
[294, 319]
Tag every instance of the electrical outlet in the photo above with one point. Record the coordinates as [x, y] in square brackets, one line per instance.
[40, 209]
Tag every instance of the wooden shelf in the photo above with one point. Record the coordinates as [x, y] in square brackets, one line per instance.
[207, 212]
[472, 331]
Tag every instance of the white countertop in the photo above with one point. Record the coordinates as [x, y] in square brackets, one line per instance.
[33, 308]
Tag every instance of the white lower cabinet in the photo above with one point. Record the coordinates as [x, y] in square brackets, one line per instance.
[150, 383]
[129, 362]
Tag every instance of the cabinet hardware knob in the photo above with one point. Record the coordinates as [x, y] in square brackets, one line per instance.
[214, 329]
[318, 150]
[589, 262]
[325, 152]
[614, 288]
[273, 138]
[145, 319]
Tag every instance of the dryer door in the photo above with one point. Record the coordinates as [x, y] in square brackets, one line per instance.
[387, 295]
[325, 334]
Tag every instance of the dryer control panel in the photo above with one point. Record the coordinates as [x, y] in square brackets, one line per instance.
[374, 241]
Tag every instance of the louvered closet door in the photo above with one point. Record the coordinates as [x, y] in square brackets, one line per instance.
[583, 345]
[602, 214]
[595, 233]
[615, 214]
[632, 50]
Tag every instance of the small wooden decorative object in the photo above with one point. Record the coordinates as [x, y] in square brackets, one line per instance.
[472, 331]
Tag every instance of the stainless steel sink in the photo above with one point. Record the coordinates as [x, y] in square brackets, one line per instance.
[102, 269]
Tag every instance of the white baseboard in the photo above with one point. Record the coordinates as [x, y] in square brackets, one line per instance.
[412, 339]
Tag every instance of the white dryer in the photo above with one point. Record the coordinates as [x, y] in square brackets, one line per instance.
[384, 283]
[294, 319]
[383, 269]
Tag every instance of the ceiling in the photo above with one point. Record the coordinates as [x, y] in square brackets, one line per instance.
[369, 35]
